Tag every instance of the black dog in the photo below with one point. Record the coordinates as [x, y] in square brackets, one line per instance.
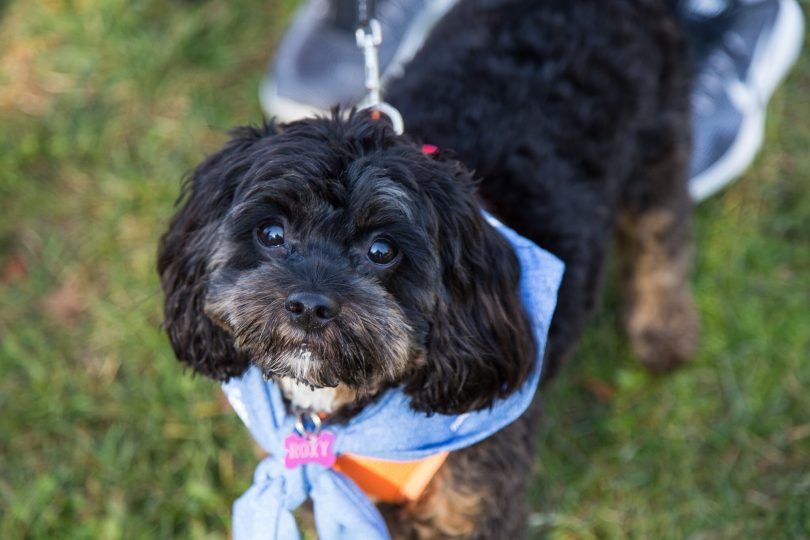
[342, 260]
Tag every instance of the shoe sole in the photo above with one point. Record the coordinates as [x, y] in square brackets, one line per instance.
[773, 61]
[287, 109]
[281, 108]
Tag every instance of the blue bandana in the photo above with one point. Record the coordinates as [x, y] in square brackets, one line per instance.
[387, 429]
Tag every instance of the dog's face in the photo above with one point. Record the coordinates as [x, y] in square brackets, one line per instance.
[336, 253]
[324, 265]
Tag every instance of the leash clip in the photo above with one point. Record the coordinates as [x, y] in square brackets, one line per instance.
[388, 110]
[369, 38]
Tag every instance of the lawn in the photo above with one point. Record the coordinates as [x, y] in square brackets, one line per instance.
[106, 104]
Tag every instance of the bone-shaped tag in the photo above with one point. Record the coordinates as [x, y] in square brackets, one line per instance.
[312, 449]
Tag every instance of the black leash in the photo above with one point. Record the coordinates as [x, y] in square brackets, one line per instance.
[365, 12]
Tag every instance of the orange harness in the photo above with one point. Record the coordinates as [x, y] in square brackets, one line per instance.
[390, 481]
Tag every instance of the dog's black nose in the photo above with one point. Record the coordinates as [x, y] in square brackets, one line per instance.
[310, 309]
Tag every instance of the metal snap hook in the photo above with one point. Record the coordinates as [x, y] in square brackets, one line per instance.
[391, 112]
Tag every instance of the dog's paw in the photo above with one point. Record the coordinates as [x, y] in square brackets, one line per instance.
[664, 331]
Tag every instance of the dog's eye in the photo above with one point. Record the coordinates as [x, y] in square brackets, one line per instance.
[270, 234]
[382, 252]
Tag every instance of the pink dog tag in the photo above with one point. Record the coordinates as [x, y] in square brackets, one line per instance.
[312, 449]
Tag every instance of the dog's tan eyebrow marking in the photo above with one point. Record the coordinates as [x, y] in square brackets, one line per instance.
[383, 201]
[396, 196]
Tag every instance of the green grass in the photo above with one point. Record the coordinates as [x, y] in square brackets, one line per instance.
[106, 104]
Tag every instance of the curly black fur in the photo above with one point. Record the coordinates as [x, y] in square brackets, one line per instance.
[562, 109]
[439, 321]
[573, 116]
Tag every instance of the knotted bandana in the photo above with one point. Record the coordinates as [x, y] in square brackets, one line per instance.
[386, 429]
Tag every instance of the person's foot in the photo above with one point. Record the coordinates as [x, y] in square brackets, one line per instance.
[747, 48]
[744, 50]
[318, 64]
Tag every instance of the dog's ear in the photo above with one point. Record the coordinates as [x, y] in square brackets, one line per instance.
[185, 252]
[481, 345]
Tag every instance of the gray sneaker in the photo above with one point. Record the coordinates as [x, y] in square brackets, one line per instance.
[751, 47]
[745, 49]
[318, 64]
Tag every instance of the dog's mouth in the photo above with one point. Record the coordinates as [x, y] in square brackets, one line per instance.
[341, 355]
[323, 359]
[300, 364]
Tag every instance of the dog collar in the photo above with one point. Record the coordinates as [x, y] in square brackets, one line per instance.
[387, 429]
